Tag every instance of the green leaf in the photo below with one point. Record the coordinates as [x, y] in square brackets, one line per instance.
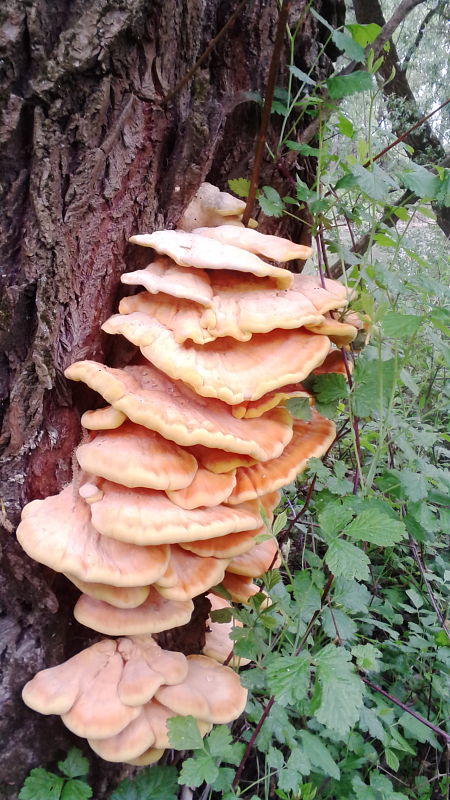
[74, 764]
[344, 85]
[339, 688]
[270, 202]
[328, 390]
[334, 517]
[302, 148]
[302, 76]
[351, 594]
[75, 789]
[348, 45]
[364, 34]
[367, 657]
[372, 380]
[345, 126]
[397, 325]
[347, 560]
[413, 484]
[337, 623]
[375, 527]
[41, 785]
[220, 745]
[239, 186]
[288, 678]
[299, 407]
[306, 594]
[197, 770]
[184, 733]
[414, 727]
[279, 523]
[420, 181]
[319, 755]
[297, 765]
[224, 779]
[440, 317]
[152, 783]
[373, 181]
[391, 759]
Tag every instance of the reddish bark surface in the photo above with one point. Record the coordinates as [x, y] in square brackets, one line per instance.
[89, 155]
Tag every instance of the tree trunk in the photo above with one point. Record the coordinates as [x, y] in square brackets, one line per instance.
[89, 156]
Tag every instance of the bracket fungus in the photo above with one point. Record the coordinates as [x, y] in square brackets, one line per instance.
[179, 474]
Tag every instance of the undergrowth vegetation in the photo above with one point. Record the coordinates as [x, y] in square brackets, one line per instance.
[349, 680]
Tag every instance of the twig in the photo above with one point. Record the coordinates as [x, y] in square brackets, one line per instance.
[402, 11]
[443, 622]
[267, 107]
[434, 728]
[271, 700]
[204, 55]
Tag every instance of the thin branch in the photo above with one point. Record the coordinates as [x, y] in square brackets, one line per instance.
[204, 55]
[434, 728]
[420, 34]
[402, 11]
[443, 622]
[267, 108]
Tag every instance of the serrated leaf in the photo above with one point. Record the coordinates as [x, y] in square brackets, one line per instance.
[297, 765]
[373, 181]
[396, 325]
[184, 733]
[372, 381]
[288, 678]
[41, 785]
[351, 594]
[319, 755]
[75, 764]
[337, 623]
[375, 527]
[197, 770]
[328, 391]
[299, 407]
[220, 745]
[345, 559]
[348, 45]
[152, 783]
[367, 657]
[224, 779]
[370, 722]
[334, 518]
[420, 181]
[270, 202]
[306, 594]
[391, 759]
[341, 690]
[413, 484]
[418, 730]
[343, 85]
[75, 789]
[302, 76]
[239, 186]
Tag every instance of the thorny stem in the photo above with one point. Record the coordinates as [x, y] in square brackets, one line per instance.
[204, 55]
[434, 728]
[267, 108]
[271, 700]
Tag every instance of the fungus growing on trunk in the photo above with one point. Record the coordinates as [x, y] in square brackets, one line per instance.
[179, 471]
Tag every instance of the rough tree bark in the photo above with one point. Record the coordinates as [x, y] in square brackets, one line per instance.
[89, 156]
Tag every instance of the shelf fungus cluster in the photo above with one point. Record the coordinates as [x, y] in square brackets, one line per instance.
[179, 472]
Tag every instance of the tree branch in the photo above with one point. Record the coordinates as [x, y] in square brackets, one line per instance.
[420, 34]
[400, 13]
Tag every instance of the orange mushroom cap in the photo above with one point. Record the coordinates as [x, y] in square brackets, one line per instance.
[225, 369]
[163, 275]
[154, 615]
[190, 574]
[210, 692]
[58, 532]
[119, 596]
[151, 399]
[135, 456]
[273, 247]
[191, 250]
[84, 691]
[207, 489]
[233, 544]
[255, 562]
[102, 419]
[147, 667]
[148, 517]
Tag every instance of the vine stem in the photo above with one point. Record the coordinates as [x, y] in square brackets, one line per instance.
[269, 704]
[267, 108]
[434, 728]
